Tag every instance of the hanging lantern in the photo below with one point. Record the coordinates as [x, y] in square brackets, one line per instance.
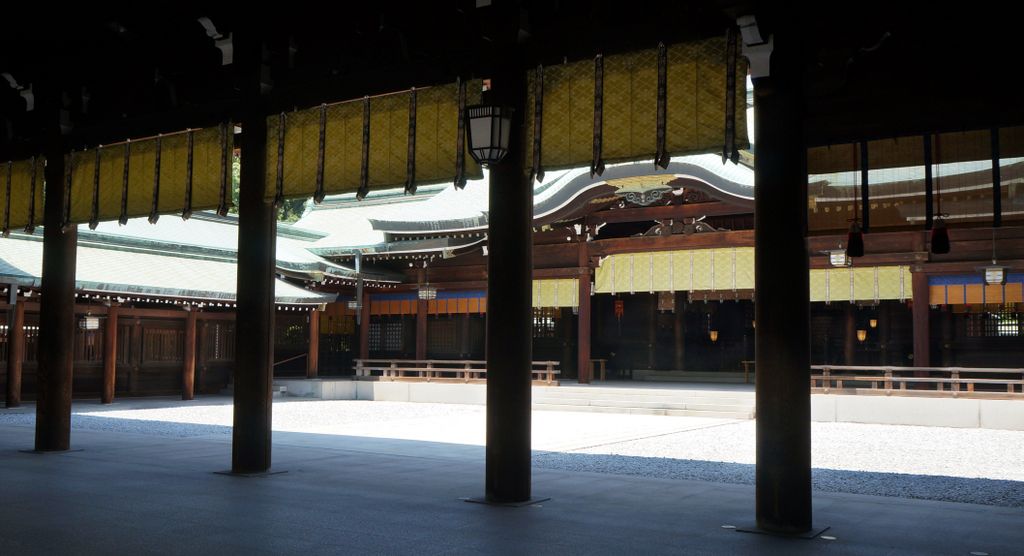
[940, 237]
[713, 334]
[489, 132]
[428, 292]
[873, 323]
[862, 334]
[854, 241]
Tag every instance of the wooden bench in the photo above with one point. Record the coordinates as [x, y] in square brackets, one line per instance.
[601, 368]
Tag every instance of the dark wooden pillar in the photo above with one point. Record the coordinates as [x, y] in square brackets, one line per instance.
[109, 356]
[56, 312]
[948, 353]
[679, 331]
[652, 332]
[583, 328]
[15, 348]
[782, 308]
[922, 355]
[136, 357]
[364, 327]
[883, 333]
[313, 355]
[421, 329]
[257, 235]
[509, 291]
[850, 337]
[188, 368]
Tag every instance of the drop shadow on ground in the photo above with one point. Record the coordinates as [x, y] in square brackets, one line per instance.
[993, 492]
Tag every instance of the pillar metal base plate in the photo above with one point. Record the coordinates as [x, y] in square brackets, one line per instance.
[256, 475]
[485, 501]
[811, 533]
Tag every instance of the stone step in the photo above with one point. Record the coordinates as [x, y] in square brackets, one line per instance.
[648, 411]
[645, 404]
[676, 398]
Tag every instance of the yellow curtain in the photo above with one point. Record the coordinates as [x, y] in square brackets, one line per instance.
[562, 292]
[206, 176]
[695, 97]
[25, 204]
[435, 150]
[732, 268]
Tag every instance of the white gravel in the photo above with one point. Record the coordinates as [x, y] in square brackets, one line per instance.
[963, 465]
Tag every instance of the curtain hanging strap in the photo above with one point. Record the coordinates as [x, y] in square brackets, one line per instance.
[661, 152]
[122, 217]
[729, 151]
[94, 214]
[597, 163]
[225, 151]
[154, 209]
[30, 227]
[186, 211]
[410, 157]
[7, 202]
[460, 138]
[537, 171]
[364, 167]
[321, 146]
[282, 122]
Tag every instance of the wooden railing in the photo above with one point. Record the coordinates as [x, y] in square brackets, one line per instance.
[544, 372]
[927, 381]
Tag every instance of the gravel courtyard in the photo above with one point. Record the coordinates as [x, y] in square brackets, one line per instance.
[961, 465]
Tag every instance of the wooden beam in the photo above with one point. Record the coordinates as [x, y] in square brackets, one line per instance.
[188, 369]
[313, 354]
[583, 340]
[666, 212]
[15, 349]
[109, 356]
[705, 240]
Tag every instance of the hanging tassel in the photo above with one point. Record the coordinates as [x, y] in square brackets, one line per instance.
[364, 167]
[225, 168]
[410, 155]
[66, 209]
[154, 210]
[729, 151]
[122, 218]
[597, 163]
[94, 214]
[186, 212]
[7, 204]
[536, 171]
[855, 241]
[321, 147]
[460, 138]
[661, 157]
[940, 237]
[30, 227]
[282, 121]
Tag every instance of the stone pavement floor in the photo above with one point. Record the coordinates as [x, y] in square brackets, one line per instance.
[130, 493]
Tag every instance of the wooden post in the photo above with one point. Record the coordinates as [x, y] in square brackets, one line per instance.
[679, 331]
[883, 333]
[109, 356]
[850, 337]
[313, 355]
[15, 348]
[652, 332]
[56, 308]
[364, 328]
[583, 371]
[257, 243]
[922, 357]
[509, 287]
[188, 368]
[136, 357]
[421, 329]
[782, 308]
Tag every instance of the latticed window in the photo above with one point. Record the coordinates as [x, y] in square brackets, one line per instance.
[374, 336]
[1006, 322]
[443, 336]
[392, 336]
[544, 321]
